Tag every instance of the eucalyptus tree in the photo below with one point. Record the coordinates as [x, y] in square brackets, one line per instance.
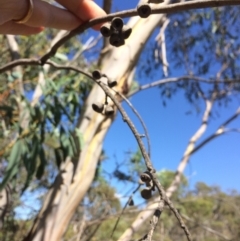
[58, 99]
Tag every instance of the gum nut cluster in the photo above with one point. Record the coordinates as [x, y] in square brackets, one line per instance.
[116, 31]
[98, 106]
[103, 108]
[97, 75]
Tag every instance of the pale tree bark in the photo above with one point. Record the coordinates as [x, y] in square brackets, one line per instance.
[190, 147]
[5, 203]
[76, 177]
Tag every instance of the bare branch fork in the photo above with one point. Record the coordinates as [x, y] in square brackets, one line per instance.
[138, 137]
[191, 149]
[140, 119]
[146, 158]
[171, 8]
[207, 228]
[178, 79]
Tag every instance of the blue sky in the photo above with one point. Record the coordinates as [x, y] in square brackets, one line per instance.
[217, 163]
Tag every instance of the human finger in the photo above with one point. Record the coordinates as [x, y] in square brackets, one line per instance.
[47, 15]
[17, 29]
[84, 9]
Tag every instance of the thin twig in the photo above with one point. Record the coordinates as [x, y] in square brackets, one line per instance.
[220, 131]
[172, 8]
[207, 228]
[162, 42]
[140, 119]
[146, 158]
[127, 203]
[140, 143]
[103, 218]
[177, 79]
[191, 145]
[154, 222]
[22, 62]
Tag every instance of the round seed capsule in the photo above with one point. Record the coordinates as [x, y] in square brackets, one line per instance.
[145, 177]
[112, 83]
[126, 31]
[116, 40]
[98, 107]
[144, 10]
[109, 110]
[96, 74]
[146, 194]
[117, 23]
[106, 30]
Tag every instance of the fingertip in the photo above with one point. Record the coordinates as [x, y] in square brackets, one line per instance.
[89, 10]
[19, 29]
[33, 30]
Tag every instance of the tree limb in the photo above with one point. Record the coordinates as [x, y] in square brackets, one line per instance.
[163, 8]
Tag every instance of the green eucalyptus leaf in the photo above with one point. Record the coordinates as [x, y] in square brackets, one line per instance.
[17, 74]
[53, 86]
[31, 161]
[58, 157]
[70, 97]
[70, 150]
[61, 56]
[41, 167]
[13, 164]
[73, 145]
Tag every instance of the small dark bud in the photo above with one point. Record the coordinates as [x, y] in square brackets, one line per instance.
[96, 74]
[106, 30]
[112, 83]
[116, 40]
[131, 202]
[126, 31]
[117, 23]
[144, 10]
[157, 213]
[98, 107]
[146, 194]
[109, 110]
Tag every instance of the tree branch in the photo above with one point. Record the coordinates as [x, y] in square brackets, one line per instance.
[171, 8]
[141, 146]
[161, 42]
[140, 119]
[190, 147]
[147, 159]
[207, 228]
[177, 79]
